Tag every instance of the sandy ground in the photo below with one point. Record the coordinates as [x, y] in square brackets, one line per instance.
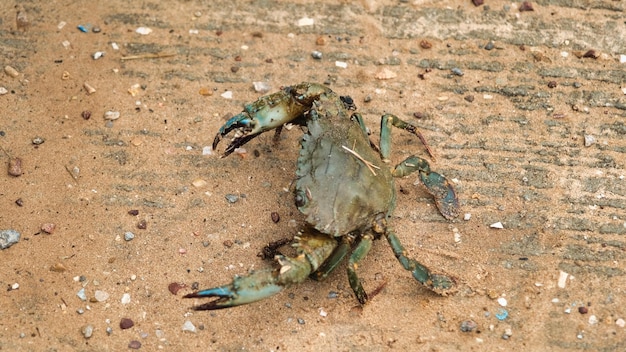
[507, 120]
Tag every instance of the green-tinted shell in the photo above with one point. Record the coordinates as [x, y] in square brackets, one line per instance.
[335, 189]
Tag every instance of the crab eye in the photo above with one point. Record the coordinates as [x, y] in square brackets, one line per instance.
[300, 199]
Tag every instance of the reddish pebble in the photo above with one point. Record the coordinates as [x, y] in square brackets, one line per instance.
[133, 212]
[552, 84]
[142, 225]
[425, 44]
[134, 344]
[126, 323]
[228, 243]
[478, 2]
[591, 54]
[526, 6]
[174, 287]
[48, 227]
[583, 310]
[15, 167]
[275, 217]
[86, 114]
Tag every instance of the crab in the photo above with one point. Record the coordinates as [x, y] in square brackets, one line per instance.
[343, 186]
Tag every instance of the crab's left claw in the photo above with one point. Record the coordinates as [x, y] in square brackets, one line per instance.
[243, 290]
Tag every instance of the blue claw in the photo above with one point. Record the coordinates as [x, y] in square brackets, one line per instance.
[243, 290]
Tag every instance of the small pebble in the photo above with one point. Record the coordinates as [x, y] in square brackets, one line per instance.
[301, 321]
[80, 311]
[317, 55]
[11, 71]
[8, 238]
[526, 6]
[134, 345]
[174, 287]
[507, 333]
[497, 225]
[275, 217]
[15, 286]
[425, 44]
[589, 140]
[125, 298]
[129, 236]
[333, 294]
[82, 28]
[469, 98]
[232, 198]
[81, 294]
[227, 94]
[3, 91]
[38, 141]
[86, 114]
[457, 71]
[58, 268]
[15, 167]
[552, 84]
[502, 301]
[583, 310]
[385, 73]
[90, 90]
[188, 326]
[502, 314]
[620, 322]
[98, 54]
[341, 64]
[101, 296]
[562, 279]
[261, 87]
[490, 46]
[126, 323]
[305, 21]
[143, 30]
[48, 228]
[142, 225]
[19, 202]
[87, 331]
[468, 326]
[111, 115]
[593, 320]
[133, 212]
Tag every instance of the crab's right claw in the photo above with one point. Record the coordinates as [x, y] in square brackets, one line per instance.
[243, 290]
[241, 121]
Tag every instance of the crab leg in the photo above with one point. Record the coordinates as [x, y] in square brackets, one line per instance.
[436, 282]
[438, 186]
[389, 120]
[312, 250]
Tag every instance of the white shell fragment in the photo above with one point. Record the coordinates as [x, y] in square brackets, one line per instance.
[90, 90]
[261, 87]
[589, 140]
[341, 64]
[98, 54]
[111, 115]
[227, 94]
[385, 73]
[502, 301]
[143, 30]
[497, 225]
[562, 279]
[305, 21]
[188, 326]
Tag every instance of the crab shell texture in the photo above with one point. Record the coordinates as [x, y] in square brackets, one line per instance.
[335, 189]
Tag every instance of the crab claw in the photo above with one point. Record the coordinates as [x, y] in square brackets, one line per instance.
[269, 112]
[241, 121]
[243, 290]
